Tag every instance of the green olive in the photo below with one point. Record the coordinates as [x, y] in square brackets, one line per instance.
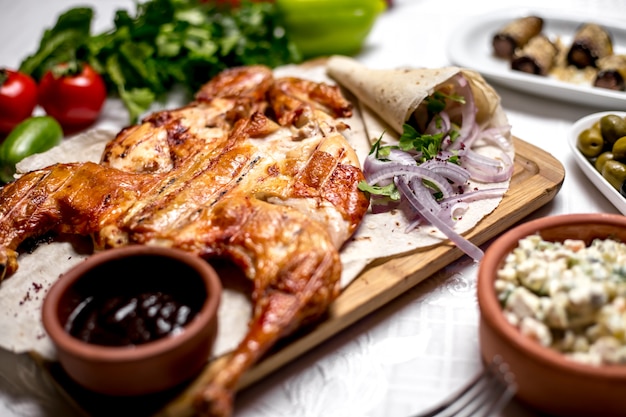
[612, 127]
[615, 173]
[596, 125]
[619, 149]
[590, 143]
[602, 159]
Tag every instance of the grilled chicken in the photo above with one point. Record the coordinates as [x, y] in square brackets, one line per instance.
[255, 170]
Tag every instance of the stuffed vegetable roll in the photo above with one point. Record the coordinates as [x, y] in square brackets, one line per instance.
[611, 73]
[537, 57]
[515, 35]
[591, 43]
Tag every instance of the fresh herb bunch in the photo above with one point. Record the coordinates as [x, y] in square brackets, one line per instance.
[166, 43]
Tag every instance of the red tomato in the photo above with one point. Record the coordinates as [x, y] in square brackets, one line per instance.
[73, 98]
[18, 98]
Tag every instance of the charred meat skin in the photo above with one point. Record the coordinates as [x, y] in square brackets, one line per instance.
[255, 171]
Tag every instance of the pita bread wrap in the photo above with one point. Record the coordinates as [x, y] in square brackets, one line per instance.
[391, 98]
[395, 94]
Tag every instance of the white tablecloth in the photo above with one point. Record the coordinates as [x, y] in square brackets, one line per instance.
[420, 347]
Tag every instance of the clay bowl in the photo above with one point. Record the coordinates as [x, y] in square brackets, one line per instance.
[547, 380]
[110, 364]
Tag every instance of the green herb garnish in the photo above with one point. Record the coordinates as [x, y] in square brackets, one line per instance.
[389, 190]
[436, 102]
[427, 146]
[165, 43]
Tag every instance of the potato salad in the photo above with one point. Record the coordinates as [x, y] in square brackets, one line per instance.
[568, 296]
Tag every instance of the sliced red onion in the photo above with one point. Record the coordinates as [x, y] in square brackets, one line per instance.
[463, 244]
[458, 209]
[402, 157]
[489, 170]
[468, 112]
[423, 194]
[439, 124]
[453, 172]
[417, 197]
[456, 206]
[391, 170]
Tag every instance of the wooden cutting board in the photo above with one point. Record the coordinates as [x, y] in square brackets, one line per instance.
[536, 180]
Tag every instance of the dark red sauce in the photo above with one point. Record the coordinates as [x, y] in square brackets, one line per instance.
[128, 320]
[132, 301]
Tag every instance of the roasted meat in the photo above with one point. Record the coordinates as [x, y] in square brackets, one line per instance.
[255, 170]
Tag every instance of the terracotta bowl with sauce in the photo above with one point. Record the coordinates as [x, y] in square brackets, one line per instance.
[547, 380]
[134, 320]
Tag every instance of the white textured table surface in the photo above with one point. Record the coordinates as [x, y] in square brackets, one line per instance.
[419, 348]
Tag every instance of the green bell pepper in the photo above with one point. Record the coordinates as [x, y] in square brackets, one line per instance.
[328, 27]
[33, 135]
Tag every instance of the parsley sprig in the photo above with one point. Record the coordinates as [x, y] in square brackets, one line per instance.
[424, 146]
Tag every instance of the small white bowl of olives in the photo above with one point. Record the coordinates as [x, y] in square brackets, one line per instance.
[598, 142]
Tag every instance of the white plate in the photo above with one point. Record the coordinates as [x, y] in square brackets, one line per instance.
[471, 47]
[590, 171]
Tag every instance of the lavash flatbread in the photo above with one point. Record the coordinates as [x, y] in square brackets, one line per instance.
[394, 95]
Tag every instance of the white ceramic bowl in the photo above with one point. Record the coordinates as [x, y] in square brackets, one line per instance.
[587, 167]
